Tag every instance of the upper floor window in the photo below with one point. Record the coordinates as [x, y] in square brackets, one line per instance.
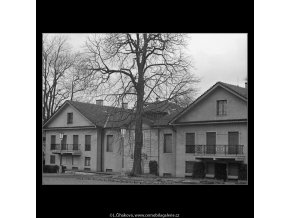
[52, 142]
[167, 143]
[190, 142]
[69, 118]
[221, 108]
[75, 142]
[109, 143]
[87, 142]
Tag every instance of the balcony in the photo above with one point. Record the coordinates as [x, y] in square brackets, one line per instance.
[217, 151]
[73, 149]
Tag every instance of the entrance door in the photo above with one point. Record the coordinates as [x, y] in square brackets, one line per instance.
[221, 171]
[210, 142]
[233, 142]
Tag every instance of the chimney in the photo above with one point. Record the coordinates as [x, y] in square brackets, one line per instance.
[125, 105]
[99, 102]
[246, 85]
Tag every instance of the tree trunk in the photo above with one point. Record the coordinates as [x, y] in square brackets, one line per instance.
[138, 131]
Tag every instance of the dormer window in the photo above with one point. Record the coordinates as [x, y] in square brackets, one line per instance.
[69, 118]
[221, 107]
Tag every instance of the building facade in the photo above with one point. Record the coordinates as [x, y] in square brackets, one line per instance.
[213, 131]
[97, 138]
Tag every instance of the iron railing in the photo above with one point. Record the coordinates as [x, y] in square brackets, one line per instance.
[65, 147]
[217, 150]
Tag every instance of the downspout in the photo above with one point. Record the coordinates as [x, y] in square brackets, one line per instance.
[158, 153]
[102, 145]
[175, 144]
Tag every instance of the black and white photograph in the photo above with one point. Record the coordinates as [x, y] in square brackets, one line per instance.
[127, 110]
[145, 109]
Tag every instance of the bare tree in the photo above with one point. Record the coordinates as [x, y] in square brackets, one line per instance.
[140, 68]
[57, 60]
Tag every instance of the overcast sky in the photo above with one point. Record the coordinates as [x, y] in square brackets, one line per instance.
[217, 57]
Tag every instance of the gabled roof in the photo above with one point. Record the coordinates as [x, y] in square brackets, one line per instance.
[240, 92]
[164, 120]
[110, 117]
[161, 106]
[101, 116]
[166, 109]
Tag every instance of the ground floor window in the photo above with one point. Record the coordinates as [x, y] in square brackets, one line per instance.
[233, 169]
[87, 161]
[52, 159]
[189, 166]
[210, 168]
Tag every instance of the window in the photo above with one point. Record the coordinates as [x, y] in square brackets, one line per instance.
[52, 142]
[52, 159]
[221, 107]
[87, 143]
[210, 143]
[233, 142]
[69, 118]
[63, 142]
[87, 161]
[190, 142]
[109, 170]
[189, 166]
[109, 143]
[75, 168]
[75, 142]
[87, 169]
[233, 170]
[167, 143]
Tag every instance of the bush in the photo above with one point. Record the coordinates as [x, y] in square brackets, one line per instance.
[153, 167]
[243, 172]
[50, 168]
[198, 170]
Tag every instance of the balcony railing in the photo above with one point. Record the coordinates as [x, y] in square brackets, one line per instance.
[66, 148]
[216, 150]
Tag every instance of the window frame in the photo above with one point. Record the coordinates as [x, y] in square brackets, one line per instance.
[164, 143]
[186, 144]
[186, 167]
[86, 145]
[52, 144]
[221, 107]
[50, 159]
[89, 161]
[107, 144]
[69, 118]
